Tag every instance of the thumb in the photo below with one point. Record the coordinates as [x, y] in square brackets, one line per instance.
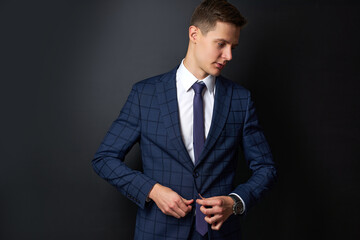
[187, 202]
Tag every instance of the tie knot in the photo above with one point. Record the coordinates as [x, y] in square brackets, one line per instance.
[198, 87]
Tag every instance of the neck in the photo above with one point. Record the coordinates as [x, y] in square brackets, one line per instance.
[190, 65]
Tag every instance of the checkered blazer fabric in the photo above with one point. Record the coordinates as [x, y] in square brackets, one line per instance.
[150, 117]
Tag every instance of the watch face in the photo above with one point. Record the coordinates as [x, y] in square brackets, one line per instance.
[238, 208]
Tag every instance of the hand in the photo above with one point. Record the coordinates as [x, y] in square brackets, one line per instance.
[169, 202]
[217, 210]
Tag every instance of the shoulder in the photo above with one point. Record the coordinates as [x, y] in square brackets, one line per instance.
[152, 82]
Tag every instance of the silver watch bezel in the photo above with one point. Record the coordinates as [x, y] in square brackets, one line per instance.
[237, 207]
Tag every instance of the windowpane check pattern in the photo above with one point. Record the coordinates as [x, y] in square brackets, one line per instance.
[150, 117]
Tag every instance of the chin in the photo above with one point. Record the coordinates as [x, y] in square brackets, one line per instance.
[215, 72]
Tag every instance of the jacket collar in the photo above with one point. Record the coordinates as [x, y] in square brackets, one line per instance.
[167, 99]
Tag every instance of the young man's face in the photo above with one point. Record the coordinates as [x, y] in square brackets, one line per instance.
[214, 50]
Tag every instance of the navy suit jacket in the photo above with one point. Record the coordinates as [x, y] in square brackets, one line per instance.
[151, 117]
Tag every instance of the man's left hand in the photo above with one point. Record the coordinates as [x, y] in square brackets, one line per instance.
[217, 210]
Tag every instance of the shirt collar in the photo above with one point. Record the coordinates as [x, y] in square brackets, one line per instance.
[187, 79]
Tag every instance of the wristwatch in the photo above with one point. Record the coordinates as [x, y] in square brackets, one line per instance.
[238, 206]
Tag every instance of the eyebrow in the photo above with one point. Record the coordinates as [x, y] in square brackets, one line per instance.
[221, 39]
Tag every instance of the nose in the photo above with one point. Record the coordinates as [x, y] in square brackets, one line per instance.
[227, 54]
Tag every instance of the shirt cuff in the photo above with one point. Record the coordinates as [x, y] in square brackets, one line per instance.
[242, 201]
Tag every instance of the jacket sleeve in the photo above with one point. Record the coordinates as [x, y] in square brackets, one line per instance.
[258, 157]
[108, 161]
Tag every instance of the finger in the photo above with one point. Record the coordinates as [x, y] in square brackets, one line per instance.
[187, 202]
[211, 211]
[175, 214]
[172, 209]
[216, 226]
[183, 206]
[171, 212]
[213, 219]
[179, 212]
[210, 201]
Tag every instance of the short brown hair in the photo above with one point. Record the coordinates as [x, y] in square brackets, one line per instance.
[209, 12]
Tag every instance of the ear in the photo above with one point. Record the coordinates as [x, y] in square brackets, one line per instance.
[194, 33]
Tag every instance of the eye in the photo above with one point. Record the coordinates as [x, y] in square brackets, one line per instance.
[221, 44]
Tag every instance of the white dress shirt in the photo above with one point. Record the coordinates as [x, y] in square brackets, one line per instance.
[185, 96]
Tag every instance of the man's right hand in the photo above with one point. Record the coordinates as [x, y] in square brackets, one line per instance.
[169, 202]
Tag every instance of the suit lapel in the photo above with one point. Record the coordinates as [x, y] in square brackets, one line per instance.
[221, 109]
[167, 99]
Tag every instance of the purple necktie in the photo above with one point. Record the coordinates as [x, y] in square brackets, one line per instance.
[199, 139]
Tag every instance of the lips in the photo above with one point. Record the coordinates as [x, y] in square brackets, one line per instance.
[220, 66]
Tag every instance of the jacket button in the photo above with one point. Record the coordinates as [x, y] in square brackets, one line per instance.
[196, 174]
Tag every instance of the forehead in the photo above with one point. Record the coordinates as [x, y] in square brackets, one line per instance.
[227, 31]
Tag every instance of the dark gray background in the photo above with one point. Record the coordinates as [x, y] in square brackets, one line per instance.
[68, 66]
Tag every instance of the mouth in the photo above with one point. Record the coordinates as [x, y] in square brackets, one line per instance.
[220, 66]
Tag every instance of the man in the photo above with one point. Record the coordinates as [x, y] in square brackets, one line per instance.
[189, 123]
